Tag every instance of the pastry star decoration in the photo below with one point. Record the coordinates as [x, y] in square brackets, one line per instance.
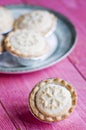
[49, 98]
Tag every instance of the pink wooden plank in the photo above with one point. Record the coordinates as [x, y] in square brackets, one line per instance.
[9, 2]
[14, 94]
[78, 17]
[5, 123]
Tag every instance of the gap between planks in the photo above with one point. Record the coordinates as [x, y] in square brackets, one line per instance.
[16, 126]
[77, 69]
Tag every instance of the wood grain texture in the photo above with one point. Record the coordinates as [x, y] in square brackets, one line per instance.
[18, 87]
[5, 123]
[78, 18]
[14, 89]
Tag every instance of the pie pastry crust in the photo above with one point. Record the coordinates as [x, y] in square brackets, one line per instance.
[2, 48]
[40, 20]
[26, 44]
[36, 95]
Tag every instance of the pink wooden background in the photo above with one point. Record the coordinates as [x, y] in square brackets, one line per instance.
[14, 89]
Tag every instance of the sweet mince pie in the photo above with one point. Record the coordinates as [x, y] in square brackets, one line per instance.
[40, 20]
[26, 44]
[6, 20]
[52, 100]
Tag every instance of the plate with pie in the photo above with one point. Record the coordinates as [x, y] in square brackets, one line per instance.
[57, 30]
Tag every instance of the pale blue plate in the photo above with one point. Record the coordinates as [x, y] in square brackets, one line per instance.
[62, 41]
